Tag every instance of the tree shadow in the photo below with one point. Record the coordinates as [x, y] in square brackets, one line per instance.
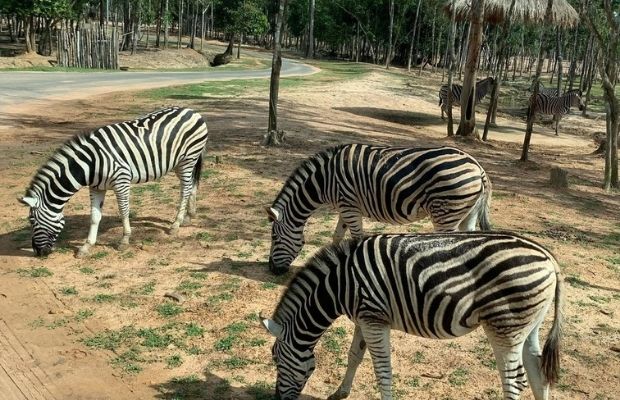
[254, 270]
[213, 387]
[409, 118]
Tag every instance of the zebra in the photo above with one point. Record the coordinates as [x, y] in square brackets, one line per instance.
[558, 105]
[482, 88]
[549, 91]
[437, 286]
[395, 185]
[113, 157]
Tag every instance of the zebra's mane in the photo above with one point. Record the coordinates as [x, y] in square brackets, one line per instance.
[326, 259]
[306, 165]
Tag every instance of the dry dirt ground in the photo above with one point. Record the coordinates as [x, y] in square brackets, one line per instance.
[102, 328]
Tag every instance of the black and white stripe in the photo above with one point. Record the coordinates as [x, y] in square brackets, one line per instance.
[438, 286]
[558, 105]
[395, 185]
[111, 158]
[482, 88]
[551, 91]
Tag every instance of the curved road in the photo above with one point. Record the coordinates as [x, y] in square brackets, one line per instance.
[19, 88]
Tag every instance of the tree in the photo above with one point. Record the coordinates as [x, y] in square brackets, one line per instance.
[273, 135]
[310, 48]
[604, 23]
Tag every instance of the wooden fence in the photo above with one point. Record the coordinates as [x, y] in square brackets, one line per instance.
[88, 47]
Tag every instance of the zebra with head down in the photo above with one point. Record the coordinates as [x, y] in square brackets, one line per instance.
[111, 158]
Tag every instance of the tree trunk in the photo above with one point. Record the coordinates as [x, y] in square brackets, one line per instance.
[491, 112]
[413, 36]
[158, 23]
[273, 136]
[310, 48]
[166, 26]
[573, 64]
[467, 127]
[536, 84]
[180, 27]
[558, 54]
[452, 63]
[192, 40]
[388, 52]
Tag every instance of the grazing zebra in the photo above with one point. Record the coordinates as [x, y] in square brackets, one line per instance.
[113, 157]
[395, 185]
[482, 88]
[437, 286]
[558, 105]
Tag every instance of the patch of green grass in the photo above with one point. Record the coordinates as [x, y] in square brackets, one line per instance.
[576, 282]
[99, 255]
[235, 362]
[189, 287]
[269, 285]
[193, 378]
[81, 315]
[57, 323]
[204, 236]
[244, 254]
[154, 188]
[168, 310]
[147, 288]
[225, 343]
[458, 377]
[257, 342]
[87, 270]
[35, 272]
[219, 298]
[208, 173]
[111, 340]
[236, 328]
[37, 323]
[128, 361]
[198, 275]
[104, 298]
[194, 330]
[69, 291]
[154, 339]
[413, 382]
[418, 357]
[174, 361]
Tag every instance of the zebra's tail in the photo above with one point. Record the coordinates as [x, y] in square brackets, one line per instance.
[485, 204]
[550, 365]
[197, 171]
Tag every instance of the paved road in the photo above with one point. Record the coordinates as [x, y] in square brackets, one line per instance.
[19, 88]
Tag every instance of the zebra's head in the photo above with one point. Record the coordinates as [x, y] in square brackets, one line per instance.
[286, 242]
[576, 99]
[46, 225]
[294, 366]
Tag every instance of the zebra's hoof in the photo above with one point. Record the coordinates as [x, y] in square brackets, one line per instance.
[123, 246]
[82, 252]
[187, 220]
[174, 231]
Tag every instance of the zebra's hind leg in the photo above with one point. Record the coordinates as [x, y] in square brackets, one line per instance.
[376, 333]
[352, 219]
[356, 355]
[510, 366]
[121, 189]
[531, 360]
[97, 198]
[341, 228]
[185, 174]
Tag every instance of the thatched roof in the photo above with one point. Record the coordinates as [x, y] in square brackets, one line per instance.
[529, 11]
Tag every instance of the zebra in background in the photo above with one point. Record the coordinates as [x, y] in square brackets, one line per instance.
[437, 286]
[558, 105]
[395, 185]
[113, 157]
[548, 91]
[482, 88]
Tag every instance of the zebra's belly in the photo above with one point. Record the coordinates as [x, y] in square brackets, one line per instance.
[431, 331]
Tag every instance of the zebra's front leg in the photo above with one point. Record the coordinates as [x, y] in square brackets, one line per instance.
[356, 355]
[187, 190]
[97, 198]
[121, 189]
[377, 336]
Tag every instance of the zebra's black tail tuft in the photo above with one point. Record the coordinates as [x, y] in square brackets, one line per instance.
[197, 171]
[550, 365]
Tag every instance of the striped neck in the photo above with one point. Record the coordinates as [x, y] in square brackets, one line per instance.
[57, 180]
[305, 190]
[314, 299]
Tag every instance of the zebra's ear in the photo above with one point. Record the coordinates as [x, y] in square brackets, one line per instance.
[274, 215]
[272, 327]
[28, 201]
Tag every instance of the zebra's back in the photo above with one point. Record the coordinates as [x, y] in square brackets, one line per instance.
[400, 185]
[148, 147]
[446, 285]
